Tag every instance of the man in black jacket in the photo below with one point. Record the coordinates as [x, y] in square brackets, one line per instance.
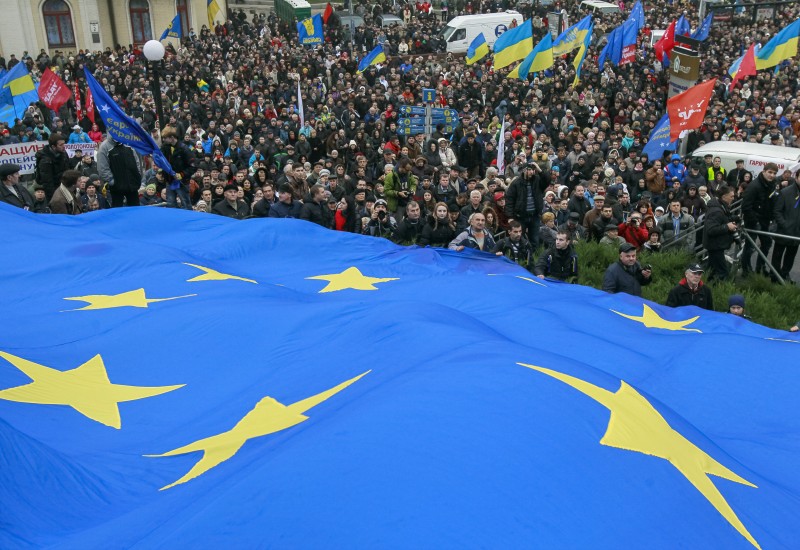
[626, 275]
[232, 206]
[787, 215]
[757, 210]
[316, 210]
[719, 232]
[51, 162]
[119, 169]
[524, 200]
[516, 247]
[11, 192]
[181, 161]
[559, 262]
[691, 291]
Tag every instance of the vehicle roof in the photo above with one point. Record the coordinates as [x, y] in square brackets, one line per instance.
[500, 16]
[747, 149]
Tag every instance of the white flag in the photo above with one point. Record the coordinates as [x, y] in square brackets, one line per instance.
[501, 151]
[300, 105]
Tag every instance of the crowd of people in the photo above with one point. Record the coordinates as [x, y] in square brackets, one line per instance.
[574, 166]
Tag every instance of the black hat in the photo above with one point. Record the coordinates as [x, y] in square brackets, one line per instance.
[574, 216]
[8, 169]
[626, 247]
[230, 187]
[611, 227]
[453, 207]
[695, 268]
[94, 178]
[284, 188]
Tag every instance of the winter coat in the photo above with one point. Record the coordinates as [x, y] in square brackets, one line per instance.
[716, 235]
[558, 264]
[620, 278]
[787, 213]
[467, 239]
[682, 295]
[433, 235]
[758, 204]
[517, 197]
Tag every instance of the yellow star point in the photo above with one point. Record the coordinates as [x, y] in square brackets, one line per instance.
[635, 425]
[350, 278]
[214, 275]
[132, 298]
[87, 389]
[267, 417]
[651, 319]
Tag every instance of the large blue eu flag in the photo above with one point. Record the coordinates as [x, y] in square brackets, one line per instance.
[176, 379]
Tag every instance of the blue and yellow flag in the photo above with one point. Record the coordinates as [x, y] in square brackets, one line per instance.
[572, 37]
[212, 9]
[204, 382]
[372, 58]
[513, 45]
[123, 128]
[202, 85]
[309, 31]
[578, 61]
[174, 30]
[17, 92]
[477, 50]
[782, 46]
[540, 58]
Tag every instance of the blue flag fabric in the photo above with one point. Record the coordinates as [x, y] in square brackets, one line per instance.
[682, 27]
[705, 27]
[637, 15]
[309, 31]
[658, 141]
[203, 382]
[174, 30]
[620, 46]
[377, 55]
[122, 127]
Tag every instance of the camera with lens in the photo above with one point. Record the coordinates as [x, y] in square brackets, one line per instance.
[647, 267]
[381, 215]
[737, 235]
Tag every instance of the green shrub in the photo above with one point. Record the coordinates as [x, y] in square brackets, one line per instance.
[769, 304]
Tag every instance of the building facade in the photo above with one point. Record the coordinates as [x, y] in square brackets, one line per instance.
[72, 25]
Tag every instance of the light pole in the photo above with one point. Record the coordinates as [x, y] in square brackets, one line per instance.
[154, 52]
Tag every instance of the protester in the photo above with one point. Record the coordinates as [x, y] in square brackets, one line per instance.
[691, 291]
[11, 192]
[626, 274]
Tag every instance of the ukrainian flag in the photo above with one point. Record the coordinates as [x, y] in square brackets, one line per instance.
[578, 62]
[17, 92]
[539, 59]
[373, 58]
[573, 37]
[309, 31]
[513, 45]
[212, 8]
[174, 30]
[782, 46]
[477, 50]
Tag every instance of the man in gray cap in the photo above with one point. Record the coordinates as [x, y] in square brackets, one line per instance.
[11, 191]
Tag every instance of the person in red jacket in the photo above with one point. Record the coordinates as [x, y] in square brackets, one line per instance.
[633, 231]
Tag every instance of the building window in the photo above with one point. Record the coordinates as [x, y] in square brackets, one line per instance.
[58, 24]
[182, 8]
[140, 21]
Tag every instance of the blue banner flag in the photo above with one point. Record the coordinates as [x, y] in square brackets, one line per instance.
[682, 27]
[637, 15]
[705, 27]
[309, 31]
[372, 58]
[207, 383]
[621, 45]
[573, 37]
[17, 92]
[174, 30]
[233, 383]
[658, 142]
[123, 128]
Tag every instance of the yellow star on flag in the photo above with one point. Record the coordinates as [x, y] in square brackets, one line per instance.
[214, 275]
[635, 425]
[133, 298]
[86, 389]
[350, 278]
[267, 417]
[651, 319]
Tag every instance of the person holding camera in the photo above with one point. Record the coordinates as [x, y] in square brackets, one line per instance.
[525, 200]
[399, 186]
[381, 223]
[720, 231]
[633, 231]
[627, 275]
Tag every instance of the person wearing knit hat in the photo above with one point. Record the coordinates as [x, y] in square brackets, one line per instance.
[736, 306]
[150, 196]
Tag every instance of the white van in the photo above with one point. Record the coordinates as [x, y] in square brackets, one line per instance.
[599, 7]
[460, 31]
[754, 155]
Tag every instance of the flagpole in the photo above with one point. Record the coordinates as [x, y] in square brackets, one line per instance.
[300, 104]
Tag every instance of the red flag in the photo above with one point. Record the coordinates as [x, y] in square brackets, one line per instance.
[747, 67]
[77, 93]
[52, 90]
[328, 12]
[687, 110]
[89, 104]
[665, 43]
